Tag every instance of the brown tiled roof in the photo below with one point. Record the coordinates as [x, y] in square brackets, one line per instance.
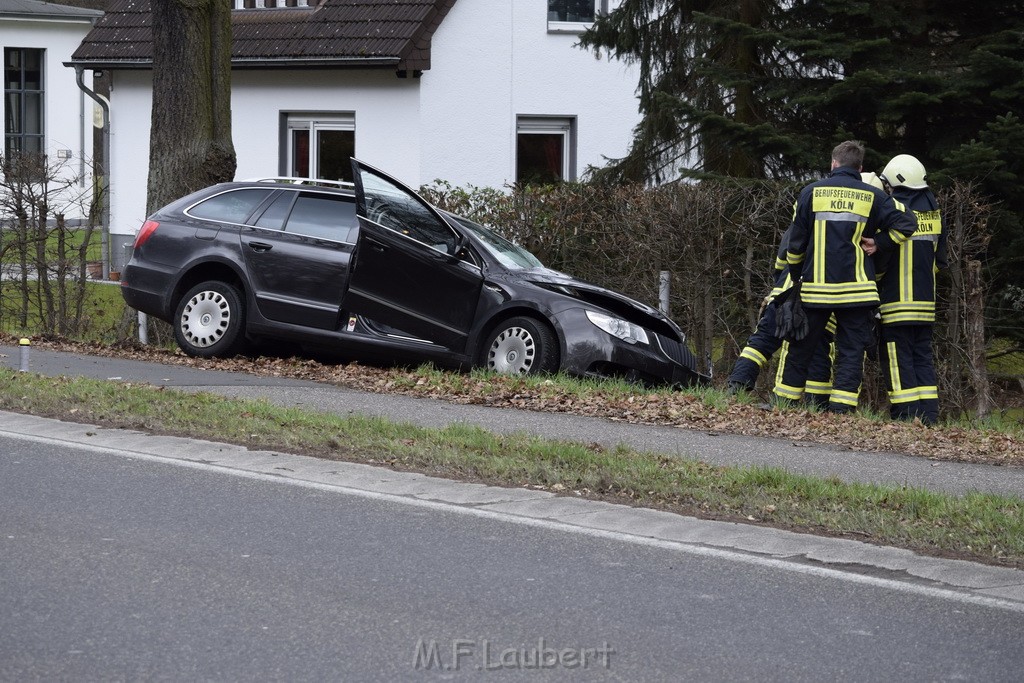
[35, 9]
[356, 33]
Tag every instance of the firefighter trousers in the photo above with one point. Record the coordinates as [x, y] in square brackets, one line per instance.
[754, 356]
[909, 371]
[763, 343]
[854, 331]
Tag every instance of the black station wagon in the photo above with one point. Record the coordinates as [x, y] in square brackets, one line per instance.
[372, 271]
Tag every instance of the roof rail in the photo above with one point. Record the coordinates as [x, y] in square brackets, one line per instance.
[301, 181]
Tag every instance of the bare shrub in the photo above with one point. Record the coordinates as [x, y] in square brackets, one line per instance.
[719, 241]
[43, 253]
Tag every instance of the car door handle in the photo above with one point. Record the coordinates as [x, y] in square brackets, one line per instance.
[260, 247]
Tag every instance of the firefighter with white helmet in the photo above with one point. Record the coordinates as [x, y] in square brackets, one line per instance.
[906, 288]
[904, 170]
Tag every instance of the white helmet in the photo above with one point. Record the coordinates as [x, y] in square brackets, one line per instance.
[872, 179]
[906, 171]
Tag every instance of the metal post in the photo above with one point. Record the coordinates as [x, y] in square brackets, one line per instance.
[143, 328]
[24, 344]
[663, 289]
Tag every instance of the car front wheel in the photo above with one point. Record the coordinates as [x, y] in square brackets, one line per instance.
[209, 319]
[521, 346]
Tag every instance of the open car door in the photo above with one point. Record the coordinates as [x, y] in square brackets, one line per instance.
[407, 272]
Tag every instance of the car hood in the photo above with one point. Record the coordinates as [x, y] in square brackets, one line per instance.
[609, 300]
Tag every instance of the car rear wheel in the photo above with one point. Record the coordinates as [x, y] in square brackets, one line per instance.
[209, 319]
[521, 346]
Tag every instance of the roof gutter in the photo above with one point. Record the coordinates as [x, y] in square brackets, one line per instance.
[38, 19]
[252, 63]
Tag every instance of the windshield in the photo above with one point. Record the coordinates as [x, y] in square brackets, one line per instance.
[508, 254]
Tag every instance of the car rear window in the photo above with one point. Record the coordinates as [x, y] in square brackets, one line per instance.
[233, 206]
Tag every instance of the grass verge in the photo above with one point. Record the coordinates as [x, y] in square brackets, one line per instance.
[977, 526]
[103, 308]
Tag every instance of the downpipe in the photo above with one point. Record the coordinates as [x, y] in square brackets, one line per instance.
[105, 176]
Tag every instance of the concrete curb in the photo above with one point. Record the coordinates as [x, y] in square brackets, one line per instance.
[996, 586]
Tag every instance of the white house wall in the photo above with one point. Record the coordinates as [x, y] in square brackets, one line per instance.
[490, 65]
[385, 109]
[67, 118]
[130, 108]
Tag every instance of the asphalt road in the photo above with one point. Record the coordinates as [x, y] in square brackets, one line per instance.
[814, 459]
[125, 557]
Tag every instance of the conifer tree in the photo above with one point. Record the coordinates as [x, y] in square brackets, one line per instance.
[703, 71]
[753, 88]
[765, 88]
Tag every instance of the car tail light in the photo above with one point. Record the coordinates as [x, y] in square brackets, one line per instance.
[145, 232]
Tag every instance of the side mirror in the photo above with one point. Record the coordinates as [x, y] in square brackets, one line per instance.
[460, 250]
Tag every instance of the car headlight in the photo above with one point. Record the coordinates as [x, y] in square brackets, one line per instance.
[617, 327]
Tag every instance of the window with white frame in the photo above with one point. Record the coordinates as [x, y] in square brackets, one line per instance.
[574, 16]
[23, 101]
[320, 145]
[545, 149]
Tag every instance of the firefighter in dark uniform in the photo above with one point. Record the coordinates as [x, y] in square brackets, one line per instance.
[839, 221]
[907, 289]
[763, 343]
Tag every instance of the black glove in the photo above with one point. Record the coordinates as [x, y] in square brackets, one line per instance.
[790, 319]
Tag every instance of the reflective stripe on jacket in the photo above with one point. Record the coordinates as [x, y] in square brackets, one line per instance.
[906, 281]
[832, 215]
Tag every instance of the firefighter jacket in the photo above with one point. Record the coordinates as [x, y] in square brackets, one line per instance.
[832, 215]
[906, 281]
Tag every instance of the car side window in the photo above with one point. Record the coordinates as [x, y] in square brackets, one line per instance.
[275, 215]
[234, 206]
[390, 206]
[323, 216]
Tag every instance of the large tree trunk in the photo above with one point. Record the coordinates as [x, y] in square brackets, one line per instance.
[190, 143]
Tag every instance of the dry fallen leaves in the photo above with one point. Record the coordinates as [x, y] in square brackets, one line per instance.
[679, 409]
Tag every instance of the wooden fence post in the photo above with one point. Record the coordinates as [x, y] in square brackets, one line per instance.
[974, 320]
